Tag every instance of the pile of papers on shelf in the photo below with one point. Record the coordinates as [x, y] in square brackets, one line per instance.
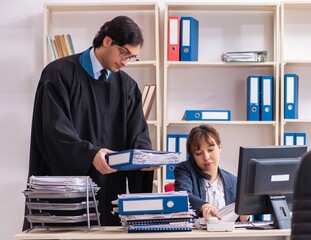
[61, 199]
[245, 56]
[155, 212]
[140, 158]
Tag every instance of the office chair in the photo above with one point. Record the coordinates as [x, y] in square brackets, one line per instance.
[301, 211]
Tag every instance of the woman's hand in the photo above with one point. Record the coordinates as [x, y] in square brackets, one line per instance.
[208, 209]
[244, 218]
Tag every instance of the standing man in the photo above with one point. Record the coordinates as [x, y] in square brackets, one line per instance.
[86, 107]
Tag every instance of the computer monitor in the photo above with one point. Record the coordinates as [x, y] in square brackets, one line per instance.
[265, 182]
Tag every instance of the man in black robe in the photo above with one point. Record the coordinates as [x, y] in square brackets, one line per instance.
[79, 116]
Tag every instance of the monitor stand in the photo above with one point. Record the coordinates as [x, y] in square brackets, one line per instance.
[280, 214]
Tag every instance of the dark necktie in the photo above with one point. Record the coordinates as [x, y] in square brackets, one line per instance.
[103, 76]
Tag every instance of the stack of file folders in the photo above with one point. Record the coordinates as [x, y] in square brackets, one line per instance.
[245, 56]
[61, 201]
[155, 212]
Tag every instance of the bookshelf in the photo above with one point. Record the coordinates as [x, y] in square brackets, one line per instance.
[296, 58]
[212, 84]
[82, 21]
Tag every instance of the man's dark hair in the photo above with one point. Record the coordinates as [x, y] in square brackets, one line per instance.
[122, 30]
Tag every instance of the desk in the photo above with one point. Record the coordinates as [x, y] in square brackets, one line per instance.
[117, 233]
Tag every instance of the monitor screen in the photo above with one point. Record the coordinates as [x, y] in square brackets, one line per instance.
[266, 181]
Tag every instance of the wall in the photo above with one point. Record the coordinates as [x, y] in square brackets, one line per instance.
[21, 62]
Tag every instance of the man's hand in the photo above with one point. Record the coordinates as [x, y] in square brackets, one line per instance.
[100, 162]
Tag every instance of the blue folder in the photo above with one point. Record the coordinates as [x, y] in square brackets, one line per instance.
[289, 139]
[295, 138]
[182, 146]
[291, 96]
[176, 142]
[207, 115]
[134, 159]
[300, 138]
[153, 203]
[253, 98]
[171, 146]
[189, 39]
[266, 96]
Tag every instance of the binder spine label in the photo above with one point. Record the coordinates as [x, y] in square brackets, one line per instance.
[143, 205]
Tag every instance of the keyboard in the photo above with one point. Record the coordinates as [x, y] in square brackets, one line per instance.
[254, 224]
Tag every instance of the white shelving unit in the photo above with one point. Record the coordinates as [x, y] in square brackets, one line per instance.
[83, 21]
[296, 58]
[212, 84]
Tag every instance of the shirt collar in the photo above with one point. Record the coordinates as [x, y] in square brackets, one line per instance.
[95, 63]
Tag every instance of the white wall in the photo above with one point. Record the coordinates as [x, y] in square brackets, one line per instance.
[21, 62]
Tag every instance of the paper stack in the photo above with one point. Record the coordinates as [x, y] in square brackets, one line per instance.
[245, 56]
[61, 201]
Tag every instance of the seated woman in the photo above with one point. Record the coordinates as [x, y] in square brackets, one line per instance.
[209, 187]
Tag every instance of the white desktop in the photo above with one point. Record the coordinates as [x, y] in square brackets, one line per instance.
[117, 233]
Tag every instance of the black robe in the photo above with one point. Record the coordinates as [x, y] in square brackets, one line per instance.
[74, 116]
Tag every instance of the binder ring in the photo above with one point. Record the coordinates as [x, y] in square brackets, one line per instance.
[170, 204]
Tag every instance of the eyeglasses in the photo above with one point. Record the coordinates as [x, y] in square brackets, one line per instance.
[125, 53]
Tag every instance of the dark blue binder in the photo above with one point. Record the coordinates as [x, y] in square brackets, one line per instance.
[253, 98]
[134, 159]
[182, 146]
[158, 203]
[266, 98]
[300, 138]
[189, 39]
[207, 115]
[171, 146]
[291, 96]
[289, 139]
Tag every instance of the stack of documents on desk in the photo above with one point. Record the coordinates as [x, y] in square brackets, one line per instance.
[155, 212]
[139, 158]
[61, 199]
[246, 56]
[61, 184]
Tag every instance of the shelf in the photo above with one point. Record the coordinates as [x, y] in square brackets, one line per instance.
[142, 64]
[86, 7]
[296, 63]
[246, 7]
[195, 123]
[296, 121]
[222, 64]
